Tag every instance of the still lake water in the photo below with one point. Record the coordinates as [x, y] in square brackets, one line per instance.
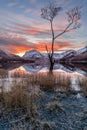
[60, 97]
[76, 72]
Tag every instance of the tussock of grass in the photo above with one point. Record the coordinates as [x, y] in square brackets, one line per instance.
[53, 82]
[48, 78]
[3, 73]
[15, 98]
[47, 125]
[83, 85]
[40, 95]
[30, 84]
[47, 81]
[54, 106]
[83, 82]
[27, 89]
[21, 96]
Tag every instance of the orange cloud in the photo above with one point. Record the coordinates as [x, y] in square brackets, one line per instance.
[17, 49]
[16, 44]
[41, 46]
[20, 49]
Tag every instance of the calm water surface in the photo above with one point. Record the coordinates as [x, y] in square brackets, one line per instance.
[75, 72]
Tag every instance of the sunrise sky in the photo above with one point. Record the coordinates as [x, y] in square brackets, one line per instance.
[23, 29]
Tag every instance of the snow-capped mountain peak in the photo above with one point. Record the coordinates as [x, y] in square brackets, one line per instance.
[32, 54]
[82, 50]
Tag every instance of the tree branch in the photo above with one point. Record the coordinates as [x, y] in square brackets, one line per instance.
[74, 16]
[51, 21]
[47, 52]
[64, 31]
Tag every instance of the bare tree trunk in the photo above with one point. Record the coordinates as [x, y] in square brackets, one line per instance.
[49, 13]
[52, 48]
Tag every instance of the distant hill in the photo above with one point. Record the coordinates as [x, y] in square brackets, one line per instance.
[76, 56]
[40, 58]
[3, 55]
[33, 54]
[70, 55]
[80, 57]
[8, 56]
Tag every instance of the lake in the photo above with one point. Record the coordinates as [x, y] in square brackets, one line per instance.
[33, 98]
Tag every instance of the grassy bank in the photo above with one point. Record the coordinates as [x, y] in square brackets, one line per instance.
[35, 99]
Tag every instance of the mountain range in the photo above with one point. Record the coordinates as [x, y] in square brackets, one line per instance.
[75, 56]
[35, 56]
[4, 56]
[67, 56]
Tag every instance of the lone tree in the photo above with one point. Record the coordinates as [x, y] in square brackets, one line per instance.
[73, 17]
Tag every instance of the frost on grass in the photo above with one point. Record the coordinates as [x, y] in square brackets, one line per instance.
[47, 125]
[54, 106]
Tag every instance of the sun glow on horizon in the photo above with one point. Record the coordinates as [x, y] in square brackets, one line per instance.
[20, 54]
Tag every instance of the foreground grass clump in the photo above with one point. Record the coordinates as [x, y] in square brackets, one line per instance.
[83, 85]
[47, 81]
[54, 106]
[57, 82]
[16, 97]
[19, 74]
[22, 95]
[3, 73]
[25, 89]
[47, 125]
[28, 105]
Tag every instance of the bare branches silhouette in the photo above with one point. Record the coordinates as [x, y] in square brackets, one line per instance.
[73, 18]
